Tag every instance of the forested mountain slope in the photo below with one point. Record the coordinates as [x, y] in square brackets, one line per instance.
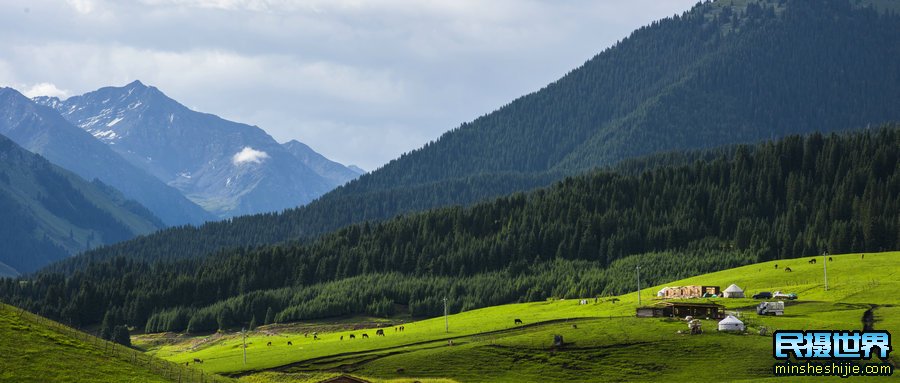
[50, 213]
[722, 73]
[791, 198]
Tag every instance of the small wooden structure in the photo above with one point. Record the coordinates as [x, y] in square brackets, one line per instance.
[681, 310]
[693, 291]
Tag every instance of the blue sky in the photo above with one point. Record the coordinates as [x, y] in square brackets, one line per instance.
[359, 81]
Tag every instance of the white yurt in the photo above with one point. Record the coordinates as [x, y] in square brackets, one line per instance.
[733, 291]
[730, 323]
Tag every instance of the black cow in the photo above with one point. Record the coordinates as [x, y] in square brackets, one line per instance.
[517, 321]
[290, 344]
[352, 336]
[829, 258]
[788, 269]
[197, 360]
[342, 337]
[269, 344]
[812, 261]
[366, 336]
[379, 332]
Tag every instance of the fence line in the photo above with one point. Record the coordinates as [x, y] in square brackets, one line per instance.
[175, 372]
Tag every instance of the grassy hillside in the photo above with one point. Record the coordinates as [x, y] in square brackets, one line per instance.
[608, 344]
[35, 349]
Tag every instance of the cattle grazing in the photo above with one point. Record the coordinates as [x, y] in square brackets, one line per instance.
[776, 266]
[366, 336]
[342, 337]
[788, 269]
[352, 336]
[517, 321]
[315, 337]
[269, 344]
[197, 360]
[829, 258]
[290, 344]
[812, 261]
[574, 325]
[379, 332]
[863, 256]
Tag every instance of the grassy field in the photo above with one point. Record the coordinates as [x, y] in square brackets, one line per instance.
[609, 343]
[35, 349]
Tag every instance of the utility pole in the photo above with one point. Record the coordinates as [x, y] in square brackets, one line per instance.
[825, 265]
[244, 333]
[446, 320]
[638, 268]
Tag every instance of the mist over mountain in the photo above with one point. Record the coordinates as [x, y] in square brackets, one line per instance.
[42, 130]
[226, 167]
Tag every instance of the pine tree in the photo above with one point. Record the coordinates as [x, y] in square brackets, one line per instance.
[106, 327]
[270, 316]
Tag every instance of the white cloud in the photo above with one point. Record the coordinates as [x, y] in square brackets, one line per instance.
[248, 155]
[82, 6]
[45, 89]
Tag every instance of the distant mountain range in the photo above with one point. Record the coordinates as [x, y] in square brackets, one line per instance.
[226, 167]
[724, 72]
[50, 213]
[158, 158]
[42, 130]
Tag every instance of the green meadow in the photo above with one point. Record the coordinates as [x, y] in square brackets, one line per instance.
[604, 341]
[35, 349]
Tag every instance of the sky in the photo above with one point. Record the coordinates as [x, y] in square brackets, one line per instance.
[359, 81]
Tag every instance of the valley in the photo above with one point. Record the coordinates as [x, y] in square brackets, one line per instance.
[601, 223]
[609, 343]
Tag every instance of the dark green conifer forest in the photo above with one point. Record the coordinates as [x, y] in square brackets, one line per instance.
[794, 197]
